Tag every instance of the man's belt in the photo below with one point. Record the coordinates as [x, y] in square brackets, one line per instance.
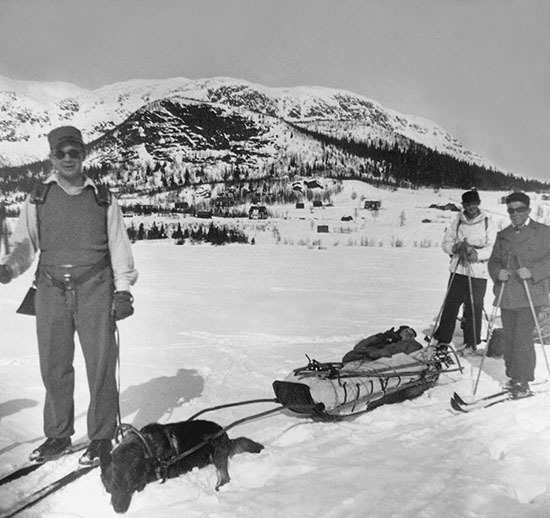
[69, 282]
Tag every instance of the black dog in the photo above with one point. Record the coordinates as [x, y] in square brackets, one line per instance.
[153, 453]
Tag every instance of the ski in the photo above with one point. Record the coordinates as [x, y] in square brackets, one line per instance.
[40, 494]
[507, 396]
[30, 466]
[479, 400]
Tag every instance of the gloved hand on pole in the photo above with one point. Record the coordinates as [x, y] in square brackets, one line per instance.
[5, 274]
[466, 253]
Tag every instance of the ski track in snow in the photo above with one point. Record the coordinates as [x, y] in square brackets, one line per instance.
[245, 316]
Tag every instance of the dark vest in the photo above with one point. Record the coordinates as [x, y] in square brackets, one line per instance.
[72, 228]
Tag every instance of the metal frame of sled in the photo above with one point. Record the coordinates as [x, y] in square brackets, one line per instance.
[335, 391]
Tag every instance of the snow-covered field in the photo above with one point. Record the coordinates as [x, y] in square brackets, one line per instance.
[215, 325]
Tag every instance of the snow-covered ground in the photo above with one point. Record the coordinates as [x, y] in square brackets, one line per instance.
[215, 325]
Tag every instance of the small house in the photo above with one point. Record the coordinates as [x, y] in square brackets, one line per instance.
[257, 212]
[181, 206]
[225, 201]
[372, 204]
[445, 206]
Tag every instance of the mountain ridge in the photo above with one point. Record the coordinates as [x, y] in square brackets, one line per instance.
[24, 121]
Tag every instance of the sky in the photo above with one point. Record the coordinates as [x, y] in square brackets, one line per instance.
[479, 68]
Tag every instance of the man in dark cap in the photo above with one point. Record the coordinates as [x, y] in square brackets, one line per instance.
[83, 283]
[521, 260]
[468, 241]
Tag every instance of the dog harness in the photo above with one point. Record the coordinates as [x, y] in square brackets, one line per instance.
[158, 466]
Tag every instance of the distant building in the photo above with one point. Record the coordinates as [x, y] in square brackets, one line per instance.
[181, 205]
[372, 204]
[225, 201]
[257, 212]
[446, 206]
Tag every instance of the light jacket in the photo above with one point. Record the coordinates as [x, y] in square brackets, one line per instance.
[480, 232]
[529, 248]
[27, 243]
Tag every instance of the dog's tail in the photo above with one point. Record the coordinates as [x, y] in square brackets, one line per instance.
[243, 444]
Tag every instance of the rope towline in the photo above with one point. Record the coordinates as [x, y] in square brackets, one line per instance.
[161, 466]
[234, 423]
[229, 405]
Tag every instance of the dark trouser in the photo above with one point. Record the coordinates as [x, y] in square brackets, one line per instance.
[56, 325]
[519, 353]
[458, 294]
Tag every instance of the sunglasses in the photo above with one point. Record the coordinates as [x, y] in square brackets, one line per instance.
[518, 210]
[73, 153]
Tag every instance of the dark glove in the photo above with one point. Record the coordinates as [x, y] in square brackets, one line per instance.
[458, 247]
[465, 252]
[5, 274]
[472, 255]
[122, 305]
[461, 248]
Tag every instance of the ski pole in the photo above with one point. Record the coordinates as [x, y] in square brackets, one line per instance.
[489, 332]
[4, 229]
[438, 318]
[472, 306]
[535, 318]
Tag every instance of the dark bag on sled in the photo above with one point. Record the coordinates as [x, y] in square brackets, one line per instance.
[27, 306]
[497, 344]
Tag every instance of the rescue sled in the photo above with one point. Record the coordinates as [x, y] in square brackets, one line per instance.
[338, 390]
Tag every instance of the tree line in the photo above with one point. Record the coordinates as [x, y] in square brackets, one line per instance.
[414, 163]
[213, 234]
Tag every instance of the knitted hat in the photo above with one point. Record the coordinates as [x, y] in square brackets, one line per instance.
[470, 197]
[64, 134]
[518, 196]
[401, 328]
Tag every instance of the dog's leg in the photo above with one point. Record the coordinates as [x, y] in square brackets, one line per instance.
[220, 459]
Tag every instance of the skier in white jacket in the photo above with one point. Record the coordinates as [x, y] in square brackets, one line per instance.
[469, 241]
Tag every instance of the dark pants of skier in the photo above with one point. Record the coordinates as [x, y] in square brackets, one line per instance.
[519, 353]
[458, 294]
[56, 324]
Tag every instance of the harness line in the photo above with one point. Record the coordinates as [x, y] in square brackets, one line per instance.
[161, 466]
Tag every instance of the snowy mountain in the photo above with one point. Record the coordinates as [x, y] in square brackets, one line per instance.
[170, 119]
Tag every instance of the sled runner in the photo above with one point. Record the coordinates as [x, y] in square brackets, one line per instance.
[338, 390]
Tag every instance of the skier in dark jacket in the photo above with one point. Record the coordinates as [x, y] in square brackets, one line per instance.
[384, 345]
[521, 260]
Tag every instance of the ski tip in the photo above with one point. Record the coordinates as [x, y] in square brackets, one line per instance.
[458, 399]
[456, 406]
[517, 397]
